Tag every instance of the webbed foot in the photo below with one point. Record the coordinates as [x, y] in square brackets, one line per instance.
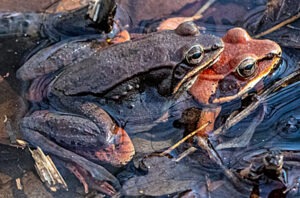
[89, 182]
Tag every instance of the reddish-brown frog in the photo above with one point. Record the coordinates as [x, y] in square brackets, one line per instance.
[242, 66]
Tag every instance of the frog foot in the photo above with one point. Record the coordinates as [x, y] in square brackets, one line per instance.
[89, 182]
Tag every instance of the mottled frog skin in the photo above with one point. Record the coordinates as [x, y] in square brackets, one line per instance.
[69, 101]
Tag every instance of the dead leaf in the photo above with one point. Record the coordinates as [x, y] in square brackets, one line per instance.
[276, 12]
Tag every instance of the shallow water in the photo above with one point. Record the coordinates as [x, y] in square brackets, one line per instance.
[280, 128]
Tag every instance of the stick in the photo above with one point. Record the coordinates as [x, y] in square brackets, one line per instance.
[199, 13]
[168, 151]
[276, 27]
[185, 153]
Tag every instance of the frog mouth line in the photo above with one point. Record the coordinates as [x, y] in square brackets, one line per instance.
[191, 76]
[276, 62]
[276, 65]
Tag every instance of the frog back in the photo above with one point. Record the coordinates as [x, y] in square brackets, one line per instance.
[118, 63]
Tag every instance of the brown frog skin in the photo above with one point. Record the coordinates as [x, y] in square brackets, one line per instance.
[242, 65]
[70, 113]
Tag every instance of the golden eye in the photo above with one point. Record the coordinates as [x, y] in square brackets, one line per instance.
[194, 55]
[247, 68]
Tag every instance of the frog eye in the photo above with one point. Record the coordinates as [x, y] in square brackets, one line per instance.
[247, 68]
[194, 55]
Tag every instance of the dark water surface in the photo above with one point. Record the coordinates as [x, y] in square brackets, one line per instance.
[280, 128]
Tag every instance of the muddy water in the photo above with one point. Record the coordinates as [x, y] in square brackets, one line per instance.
[280, 128]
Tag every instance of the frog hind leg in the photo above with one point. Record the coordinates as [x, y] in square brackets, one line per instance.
[97, 138]
[78, 134]
[119, 148]
[94, 171]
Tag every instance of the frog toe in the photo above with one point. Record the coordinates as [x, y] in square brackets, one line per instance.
[89, 182]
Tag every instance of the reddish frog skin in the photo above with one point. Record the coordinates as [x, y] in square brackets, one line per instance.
[242, 65]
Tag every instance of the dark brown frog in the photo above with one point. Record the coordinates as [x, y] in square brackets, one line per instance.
[70, 117]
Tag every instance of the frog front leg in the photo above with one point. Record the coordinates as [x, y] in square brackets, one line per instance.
[73, 134]
[208, 115]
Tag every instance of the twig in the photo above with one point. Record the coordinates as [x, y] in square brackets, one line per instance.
[199, 13]
[93, 11]
[47, 170]
[21, 143]
[10, 132]
[19, 184]
[51, 4]
[244, 139]
[185, 153]
[168, 151]
[173, 22]
[276, 27]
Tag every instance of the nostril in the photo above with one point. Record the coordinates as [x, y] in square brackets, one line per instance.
[273, 54]
[270, 55]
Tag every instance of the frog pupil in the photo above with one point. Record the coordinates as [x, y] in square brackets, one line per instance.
[247, 68]
[196, 55]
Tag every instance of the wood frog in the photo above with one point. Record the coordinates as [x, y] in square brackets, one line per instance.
[69, 120]
[242, 66]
